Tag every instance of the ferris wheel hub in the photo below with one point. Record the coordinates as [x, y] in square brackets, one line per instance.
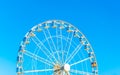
[67, 67]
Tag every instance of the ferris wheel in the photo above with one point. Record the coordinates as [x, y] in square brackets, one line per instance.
[56, 47]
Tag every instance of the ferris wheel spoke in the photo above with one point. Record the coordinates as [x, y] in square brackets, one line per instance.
[55, 47]
[41, 46]
[67, 39]
[57, 43]
[36, 57]
[80, 61]
[69, 45]
[49, 44]
[61, 45]
[80, 72]
[51, 39]
[74, 53]
[33, 71]
[66, 73]
[60, 33]
[64, 38]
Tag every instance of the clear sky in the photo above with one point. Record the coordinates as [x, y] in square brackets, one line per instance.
[98, 20]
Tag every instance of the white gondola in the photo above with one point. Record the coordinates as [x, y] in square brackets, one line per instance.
[39, 29]
[76, 34]
[54, 26]
[94, 64]
[90, 54]
[19, 70]
[61, 27]
[46, 26]
[69, 28]
[32, 34]
[87, 46]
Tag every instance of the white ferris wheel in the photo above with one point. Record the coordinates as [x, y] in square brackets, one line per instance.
[55, 47]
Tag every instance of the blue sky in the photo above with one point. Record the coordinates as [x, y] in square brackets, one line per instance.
[98, 20]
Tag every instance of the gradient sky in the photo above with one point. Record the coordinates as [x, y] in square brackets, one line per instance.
[98, 20]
